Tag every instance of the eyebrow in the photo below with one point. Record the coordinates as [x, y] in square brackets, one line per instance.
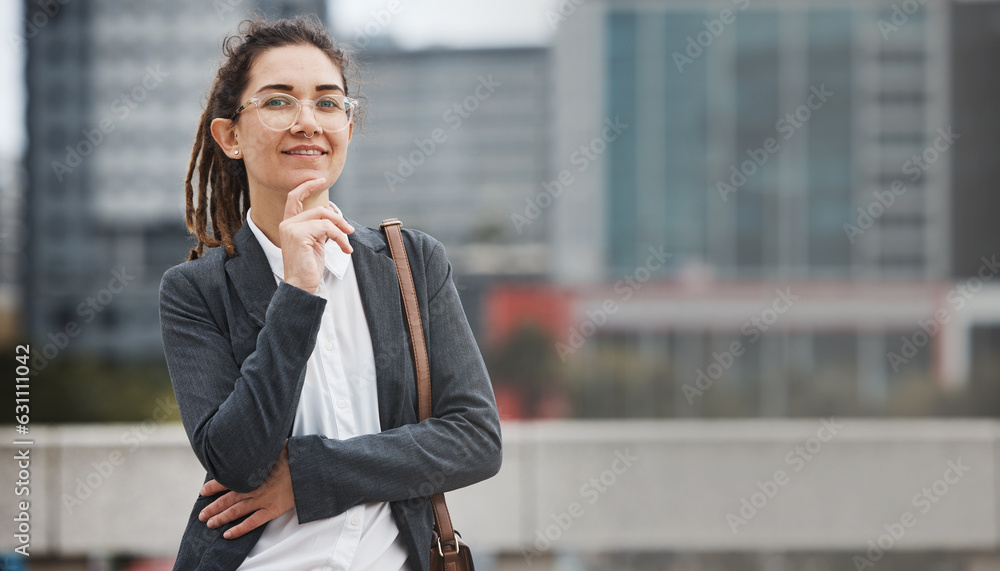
[284, 87]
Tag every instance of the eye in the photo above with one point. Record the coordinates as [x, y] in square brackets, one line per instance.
[276, 102]
[329, 103]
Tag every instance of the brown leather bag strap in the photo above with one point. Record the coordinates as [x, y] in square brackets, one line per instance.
[447, 541]
[412, 312]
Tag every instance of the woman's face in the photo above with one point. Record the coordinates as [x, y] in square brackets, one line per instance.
[304, 72]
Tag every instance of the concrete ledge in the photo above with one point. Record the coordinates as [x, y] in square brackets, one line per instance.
[777, 485]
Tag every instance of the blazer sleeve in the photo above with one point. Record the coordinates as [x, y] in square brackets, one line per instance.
[458, 446]
[237, 417]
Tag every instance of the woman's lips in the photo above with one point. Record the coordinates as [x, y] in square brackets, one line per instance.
[305, 155]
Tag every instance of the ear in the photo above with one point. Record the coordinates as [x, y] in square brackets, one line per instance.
[350, 131]
[224, 133]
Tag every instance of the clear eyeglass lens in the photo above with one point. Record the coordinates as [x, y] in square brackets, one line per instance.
[279, 111]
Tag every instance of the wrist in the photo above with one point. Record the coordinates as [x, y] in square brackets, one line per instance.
[302, 286]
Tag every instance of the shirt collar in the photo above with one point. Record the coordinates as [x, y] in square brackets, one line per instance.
[335, 259]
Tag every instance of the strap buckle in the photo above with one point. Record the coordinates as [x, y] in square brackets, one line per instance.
[457, 544]
[390, 222]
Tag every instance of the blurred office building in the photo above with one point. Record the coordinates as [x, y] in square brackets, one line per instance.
[752, 206]
[113, 104]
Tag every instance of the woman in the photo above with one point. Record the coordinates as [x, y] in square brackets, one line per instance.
[285, 340]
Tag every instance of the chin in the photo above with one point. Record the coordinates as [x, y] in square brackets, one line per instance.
[303, 175]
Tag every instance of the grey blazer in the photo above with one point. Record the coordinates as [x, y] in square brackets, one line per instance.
[236, 346]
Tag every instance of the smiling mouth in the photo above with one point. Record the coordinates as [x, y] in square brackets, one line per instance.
[309, 152]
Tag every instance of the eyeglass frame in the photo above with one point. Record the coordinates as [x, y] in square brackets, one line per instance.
[353, 103]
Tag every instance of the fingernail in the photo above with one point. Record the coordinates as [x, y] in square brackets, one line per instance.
[211, 523]
[351, 227]
[201, 516]
[227, 535]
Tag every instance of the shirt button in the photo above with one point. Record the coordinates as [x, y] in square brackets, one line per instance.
[355, 520]
[341, 403]
[328, 346]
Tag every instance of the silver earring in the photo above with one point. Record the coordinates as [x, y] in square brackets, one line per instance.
[236, 152]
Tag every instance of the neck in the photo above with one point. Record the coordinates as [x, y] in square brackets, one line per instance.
[269, 210]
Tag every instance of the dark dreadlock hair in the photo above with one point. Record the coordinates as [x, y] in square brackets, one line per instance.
[223, 188]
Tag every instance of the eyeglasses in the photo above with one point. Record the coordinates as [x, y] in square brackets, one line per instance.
[279, 111]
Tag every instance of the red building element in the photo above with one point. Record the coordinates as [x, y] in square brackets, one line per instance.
[510, 306]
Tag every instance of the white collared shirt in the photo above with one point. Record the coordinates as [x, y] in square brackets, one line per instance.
[338, 400]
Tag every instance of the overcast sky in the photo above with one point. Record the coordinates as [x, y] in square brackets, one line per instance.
[416, 24]
[457, 23]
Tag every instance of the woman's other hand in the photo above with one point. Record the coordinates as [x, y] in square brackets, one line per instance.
[273, 498]
[303, 234]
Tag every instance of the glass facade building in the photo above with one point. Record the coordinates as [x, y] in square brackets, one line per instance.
[756, 135]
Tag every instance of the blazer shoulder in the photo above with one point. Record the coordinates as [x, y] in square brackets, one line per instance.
[203, 271]
[421, 241]
[428, 252]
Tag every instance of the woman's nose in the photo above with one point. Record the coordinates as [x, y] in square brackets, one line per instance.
[307, 120]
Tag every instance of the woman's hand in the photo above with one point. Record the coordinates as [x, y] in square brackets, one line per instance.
[303, 234]
[273, 498]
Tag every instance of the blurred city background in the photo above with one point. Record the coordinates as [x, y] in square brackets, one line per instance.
[700, 231]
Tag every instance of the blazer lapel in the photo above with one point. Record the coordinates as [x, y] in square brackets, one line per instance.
[251, 275]
[379, 287]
